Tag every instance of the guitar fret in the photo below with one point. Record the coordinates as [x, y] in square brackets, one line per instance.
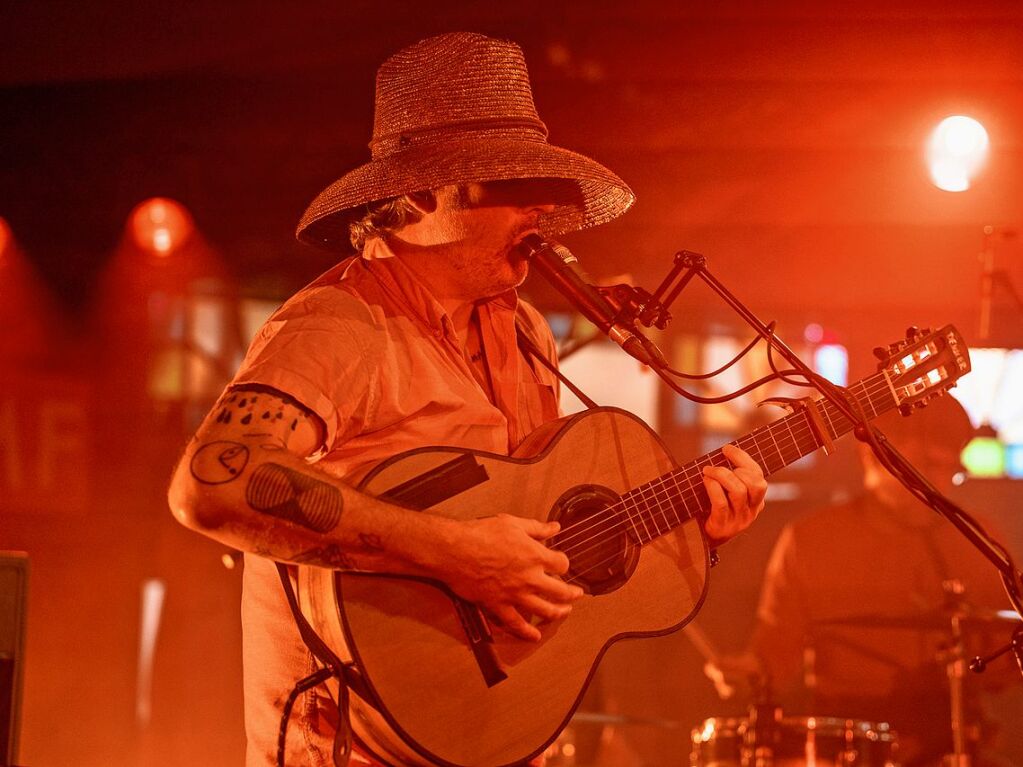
[869, 400]
[773, 446]
[651, 507]
[777, 447]
[632, 520]
[788, 423]
[832, 432]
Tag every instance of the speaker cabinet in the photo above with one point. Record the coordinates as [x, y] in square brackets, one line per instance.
[13, 619]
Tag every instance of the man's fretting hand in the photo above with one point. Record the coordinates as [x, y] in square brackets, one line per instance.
[736, 495]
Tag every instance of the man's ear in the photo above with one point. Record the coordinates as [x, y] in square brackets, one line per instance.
[424, 202]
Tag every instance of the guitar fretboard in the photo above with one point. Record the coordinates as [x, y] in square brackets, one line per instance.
[661, 505]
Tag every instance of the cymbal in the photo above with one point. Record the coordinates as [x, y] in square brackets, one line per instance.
[936, 620]
[599, 717]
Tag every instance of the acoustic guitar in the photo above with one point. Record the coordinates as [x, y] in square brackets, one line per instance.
[443, 687]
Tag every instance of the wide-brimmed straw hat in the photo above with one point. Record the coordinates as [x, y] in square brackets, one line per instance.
[455, 109]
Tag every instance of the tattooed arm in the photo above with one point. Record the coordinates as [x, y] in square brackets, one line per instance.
[244, 481]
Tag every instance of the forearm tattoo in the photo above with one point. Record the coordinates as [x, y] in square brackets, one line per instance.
[293, 496]
[330, 555]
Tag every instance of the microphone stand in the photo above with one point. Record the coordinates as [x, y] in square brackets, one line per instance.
[648, 309]
[635, 304]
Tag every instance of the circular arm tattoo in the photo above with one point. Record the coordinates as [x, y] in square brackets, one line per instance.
[288, 494]
[216, 463]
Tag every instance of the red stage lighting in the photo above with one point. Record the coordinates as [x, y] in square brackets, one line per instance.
[5, 238]
[160, 225]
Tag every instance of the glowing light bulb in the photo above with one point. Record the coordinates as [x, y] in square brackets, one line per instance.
[160, 225]
[956, 152]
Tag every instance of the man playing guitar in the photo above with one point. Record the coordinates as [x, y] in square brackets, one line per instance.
[412, 343]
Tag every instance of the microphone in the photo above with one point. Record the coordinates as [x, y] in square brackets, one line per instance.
[557, 264]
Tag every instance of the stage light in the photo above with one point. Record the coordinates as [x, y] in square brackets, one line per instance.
[956, 152]
[160, 225]
[832, 362]
[5, 237]
[984, 456]
[1014, 461]
[814, 333]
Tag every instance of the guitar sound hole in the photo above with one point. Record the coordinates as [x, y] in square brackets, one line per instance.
[601, 553]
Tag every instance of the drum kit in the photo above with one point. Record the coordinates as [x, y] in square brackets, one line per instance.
[769, 738]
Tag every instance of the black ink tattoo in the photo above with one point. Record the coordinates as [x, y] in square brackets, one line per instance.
[288, 494]
[330, 555]
[276, 414]
[218, 462]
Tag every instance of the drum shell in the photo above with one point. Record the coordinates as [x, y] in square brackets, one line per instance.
[794, 742]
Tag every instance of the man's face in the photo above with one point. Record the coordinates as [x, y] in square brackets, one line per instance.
[938, 462]
[480, 225]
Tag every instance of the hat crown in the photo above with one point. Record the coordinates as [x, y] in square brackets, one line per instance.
[443, 87]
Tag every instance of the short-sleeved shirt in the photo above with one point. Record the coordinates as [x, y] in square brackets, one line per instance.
[370, 351]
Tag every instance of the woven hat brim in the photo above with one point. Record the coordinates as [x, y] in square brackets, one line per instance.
[602, 195]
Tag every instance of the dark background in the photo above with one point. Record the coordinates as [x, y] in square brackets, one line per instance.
[782, 139]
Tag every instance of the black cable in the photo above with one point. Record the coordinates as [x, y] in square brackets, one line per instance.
[774, 368]
[704, 376]
[675, 387]
[300, 687]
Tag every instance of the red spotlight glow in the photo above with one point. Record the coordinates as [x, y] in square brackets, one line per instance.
[5, 238]
[160, 225]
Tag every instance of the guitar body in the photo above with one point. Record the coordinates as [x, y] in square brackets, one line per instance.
[438, 697]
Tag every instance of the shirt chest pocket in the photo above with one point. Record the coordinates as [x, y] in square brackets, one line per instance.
[538, 404]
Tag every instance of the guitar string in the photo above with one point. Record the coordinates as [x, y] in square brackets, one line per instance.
[691, 493]
[687, 473]
[612, 522]
[650, 491]
[660, 485]
[613, 525]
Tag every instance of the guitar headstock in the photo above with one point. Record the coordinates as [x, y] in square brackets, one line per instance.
[924, 365]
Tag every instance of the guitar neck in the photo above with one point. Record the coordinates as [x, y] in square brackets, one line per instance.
[663, 504]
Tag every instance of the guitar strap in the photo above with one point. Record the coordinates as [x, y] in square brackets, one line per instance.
[530, 349]
[347, 678]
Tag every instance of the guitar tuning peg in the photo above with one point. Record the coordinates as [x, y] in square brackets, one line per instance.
[881, 353]
[925, 332]
[912, 333]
